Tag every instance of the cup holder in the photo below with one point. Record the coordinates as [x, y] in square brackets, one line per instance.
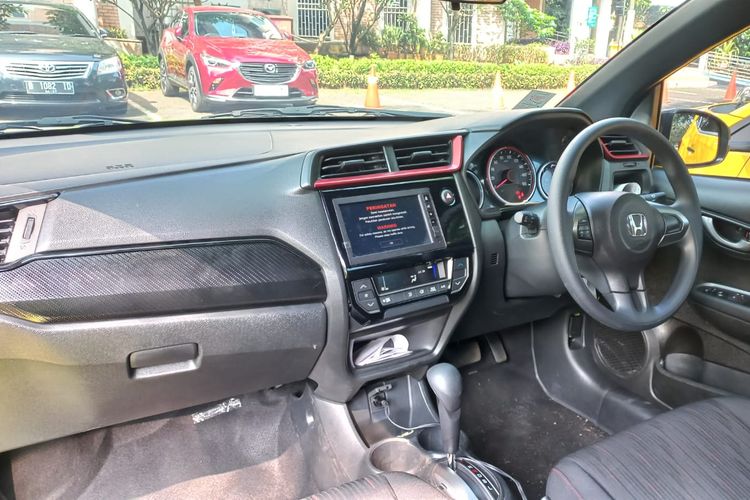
[398, 455]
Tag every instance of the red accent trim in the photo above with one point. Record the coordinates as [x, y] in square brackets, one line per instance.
[455, 165]
[608, 154]
[491, 185]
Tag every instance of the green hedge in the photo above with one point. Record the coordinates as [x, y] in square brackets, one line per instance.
[142, 72]
[412, 74]
[508, 53]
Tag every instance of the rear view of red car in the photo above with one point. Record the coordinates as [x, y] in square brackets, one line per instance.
[227, 57]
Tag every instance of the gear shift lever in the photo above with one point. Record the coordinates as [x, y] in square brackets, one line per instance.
[445, 382]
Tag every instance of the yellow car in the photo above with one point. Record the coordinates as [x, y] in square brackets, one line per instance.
[699, 140]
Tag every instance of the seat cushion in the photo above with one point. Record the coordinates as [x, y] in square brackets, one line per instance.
[701, 450]
[385, 486]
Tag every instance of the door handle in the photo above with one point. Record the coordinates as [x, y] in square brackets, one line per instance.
[740, 246]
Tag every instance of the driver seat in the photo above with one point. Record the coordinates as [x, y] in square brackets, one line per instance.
[701, 450]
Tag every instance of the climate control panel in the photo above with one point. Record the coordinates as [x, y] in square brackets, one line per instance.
[392, 288]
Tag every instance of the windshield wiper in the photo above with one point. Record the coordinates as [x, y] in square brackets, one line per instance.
[65, 121]
[326, 110]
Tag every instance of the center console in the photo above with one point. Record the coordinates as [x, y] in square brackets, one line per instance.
[406, 251]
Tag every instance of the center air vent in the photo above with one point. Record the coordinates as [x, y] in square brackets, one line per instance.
[423, 154]
[619, 146]
[349, 165]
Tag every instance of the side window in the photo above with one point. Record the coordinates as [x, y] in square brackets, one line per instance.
[717, 82]
[184, 24]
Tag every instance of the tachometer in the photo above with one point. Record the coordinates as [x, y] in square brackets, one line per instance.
[510, 176]
[545, 178]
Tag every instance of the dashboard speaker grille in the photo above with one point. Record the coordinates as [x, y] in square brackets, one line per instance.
[624, 353]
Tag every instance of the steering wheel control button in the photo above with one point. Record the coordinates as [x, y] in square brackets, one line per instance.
[448, 197]
[584, 230]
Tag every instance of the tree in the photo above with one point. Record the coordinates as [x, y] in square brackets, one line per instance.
[150, 17]
[560, 10]
[520, 19]
[7, 10]
[357, 18]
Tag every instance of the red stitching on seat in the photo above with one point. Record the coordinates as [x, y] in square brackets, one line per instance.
[567, 482]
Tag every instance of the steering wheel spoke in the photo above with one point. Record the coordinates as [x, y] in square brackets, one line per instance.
[623, 292]
[676, 224]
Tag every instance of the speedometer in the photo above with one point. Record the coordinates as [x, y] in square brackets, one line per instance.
[510, 176]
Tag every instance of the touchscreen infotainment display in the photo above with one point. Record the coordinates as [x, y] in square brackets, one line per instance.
[388, 225]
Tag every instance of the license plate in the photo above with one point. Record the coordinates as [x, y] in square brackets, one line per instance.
[36, 87]
[271, 91]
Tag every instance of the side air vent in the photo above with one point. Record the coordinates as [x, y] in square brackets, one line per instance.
[350, 165]
[423, 154]
[619, 146]
[7, 223]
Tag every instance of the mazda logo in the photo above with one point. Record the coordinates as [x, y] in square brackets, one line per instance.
[270, 68]
[637, 225]
[47, 67]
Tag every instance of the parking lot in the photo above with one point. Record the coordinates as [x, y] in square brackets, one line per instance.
[152, 105]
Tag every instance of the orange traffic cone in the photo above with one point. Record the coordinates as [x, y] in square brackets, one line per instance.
[498, 95]
[731, 88]
[372, 99]
[571, 81]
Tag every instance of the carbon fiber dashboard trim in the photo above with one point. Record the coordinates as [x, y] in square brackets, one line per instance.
[140, 282]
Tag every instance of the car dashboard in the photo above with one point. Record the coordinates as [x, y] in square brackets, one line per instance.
[172, 266]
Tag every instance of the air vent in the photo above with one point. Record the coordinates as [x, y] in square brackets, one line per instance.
[619, 146]
[423, 154]
[7, 222]
[350, 165]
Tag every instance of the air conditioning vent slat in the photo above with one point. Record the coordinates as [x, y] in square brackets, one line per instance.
[619, 146]
[353, 164]
[415, 155]
[7, 223]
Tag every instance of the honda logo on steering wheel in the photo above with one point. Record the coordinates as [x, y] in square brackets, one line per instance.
[637, 225]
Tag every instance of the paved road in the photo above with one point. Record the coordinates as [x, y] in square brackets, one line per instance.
[152, 105]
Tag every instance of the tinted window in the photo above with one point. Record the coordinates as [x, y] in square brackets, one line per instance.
[43, 20]
[235, 25]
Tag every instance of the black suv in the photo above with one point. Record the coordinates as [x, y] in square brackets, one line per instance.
[51, 56]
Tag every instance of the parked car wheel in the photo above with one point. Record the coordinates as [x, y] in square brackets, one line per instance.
[167, 87]
[195, 93]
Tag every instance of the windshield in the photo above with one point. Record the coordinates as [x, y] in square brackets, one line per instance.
[42, 20]
[234, 25]
[176, 60]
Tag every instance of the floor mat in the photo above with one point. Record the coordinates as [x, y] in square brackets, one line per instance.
[252, 452]
[512, 423]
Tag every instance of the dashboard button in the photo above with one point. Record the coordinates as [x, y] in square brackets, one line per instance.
[432, 289]
[448, 197]
[361, 285]
[462, 263]
[421, 292]
[459, 273]
[366, 295]
[457, 284]
[444, 286]
[369, 306]
[410, 294]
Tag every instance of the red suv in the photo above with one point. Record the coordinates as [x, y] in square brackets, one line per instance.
[234, 57]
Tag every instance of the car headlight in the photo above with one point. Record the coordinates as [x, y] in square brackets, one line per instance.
[215, 62]
[110, 65]
[309, 64]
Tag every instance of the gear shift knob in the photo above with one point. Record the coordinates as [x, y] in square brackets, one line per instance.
[445, 382]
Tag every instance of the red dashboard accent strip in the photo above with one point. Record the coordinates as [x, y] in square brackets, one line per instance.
[455, 166]
[609, 156]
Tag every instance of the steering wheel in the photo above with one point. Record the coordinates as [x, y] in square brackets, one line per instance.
[603, 241]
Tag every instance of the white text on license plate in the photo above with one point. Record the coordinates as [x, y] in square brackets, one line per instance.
[271, 91]
[43, 87]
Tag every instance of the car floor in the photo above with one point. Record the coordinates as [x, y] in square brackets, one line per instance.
[256, 451]
[513, 424]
